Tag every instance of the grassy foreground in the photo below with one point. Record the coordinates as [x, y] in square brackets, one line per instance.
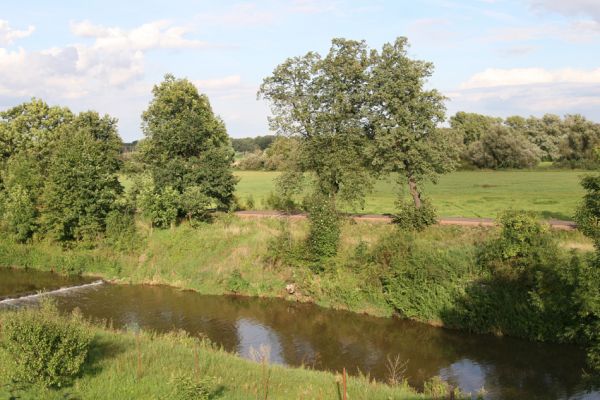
[549, 192]
[124, 365]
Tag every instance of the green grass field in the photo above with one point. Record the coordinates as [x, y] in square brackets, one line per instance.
[549, 192]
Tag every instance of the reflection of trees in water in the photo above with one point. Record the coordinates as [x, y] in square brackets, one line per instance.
[306, 334]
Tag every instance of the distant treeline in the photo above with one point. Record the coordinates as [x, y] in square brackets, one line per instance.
[483, 142]
[518, 142]
[252, 144]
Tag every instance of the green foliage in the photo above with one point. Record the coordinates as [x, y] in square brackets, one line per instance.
[161, 207]
[236, 282]
[410, 217]
[502, 148]
[588, 213]
[81, 187]
[471, 126]
[251, 144]
[195, 204]
[187, 387]
[121, 232]
[518, 142]
[252, 162]
[43, 347]
[250, 205]
[324, 221]
[186, 144]
[20, 214]
[579, 146]
[31, 127]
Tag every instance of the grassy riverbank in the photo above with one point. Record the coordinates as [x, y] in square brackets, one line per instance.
[237, 255]
[123, 365]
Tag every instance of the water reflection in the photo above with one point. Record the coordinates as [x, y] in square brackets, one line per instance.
[305, 334]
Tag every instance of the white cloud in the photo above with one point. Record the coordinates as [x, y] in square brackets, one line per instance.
[153, 35]
[494, 77]
[9, 35]
[115, 58]
[524, 91]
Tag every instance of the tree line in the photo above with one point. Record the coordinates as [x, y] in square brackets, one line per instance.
[59, 170]
[518, 142]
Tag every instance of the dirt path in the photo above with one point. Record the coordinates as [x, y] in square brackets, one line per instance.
[463, 221]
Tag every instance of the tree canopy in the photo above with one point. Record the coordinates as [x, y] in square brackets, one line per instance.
[358, 113]
[186, 145]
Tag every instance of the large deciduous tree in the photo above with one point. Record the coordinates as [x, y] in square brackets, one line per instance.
[186, 145]
[404, 116]
[358, 113]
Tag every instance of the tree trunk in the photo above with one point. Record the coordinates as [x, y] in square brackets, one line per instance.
[414, 192]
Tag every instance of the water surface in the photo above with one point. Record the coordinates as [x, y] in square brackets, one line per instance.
[304, 334]
[20, 282]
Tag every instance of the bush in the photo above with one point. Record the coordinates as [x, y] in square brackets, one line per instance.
[186, 387]
[237, 283]
[282, 203]
[522, 246]
[324, 220]
[588, 213]
[43, 347]
[121, 232]
[410, 217]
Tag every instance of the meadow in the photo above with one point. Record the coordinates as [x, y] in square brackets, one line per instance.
[551, 193]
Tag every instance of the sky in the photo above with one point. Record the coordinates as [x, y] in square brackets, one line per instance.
[497, 57]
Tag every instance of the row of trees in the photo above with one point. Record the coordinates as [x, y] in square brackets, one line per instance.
[491, 142]
[59, 170]
[252, 144]
[517, 142]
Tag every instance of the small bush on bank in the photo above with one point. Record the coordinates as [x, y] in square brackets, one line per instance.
[43, 347]
[236, 282]
[324, 221]
[410, 217]
[187, 387]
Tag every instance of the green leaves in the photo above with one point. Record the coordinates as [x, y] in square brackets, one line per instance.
[43, 347]
[186, 147]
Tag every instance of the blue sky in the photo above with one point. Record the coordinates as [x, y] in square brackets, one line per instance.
[498, 57]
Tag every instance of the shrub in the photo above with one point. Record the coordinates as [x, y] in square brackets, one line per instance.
[237, 283]
[20, 214]
[324, 220]
[43, 347]
[588, 213]
[195, 204]
[186, 387]
[280, 202]
[410, 217]
[120, 230]
[522, 246]
[252, 162]
[250, 202]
